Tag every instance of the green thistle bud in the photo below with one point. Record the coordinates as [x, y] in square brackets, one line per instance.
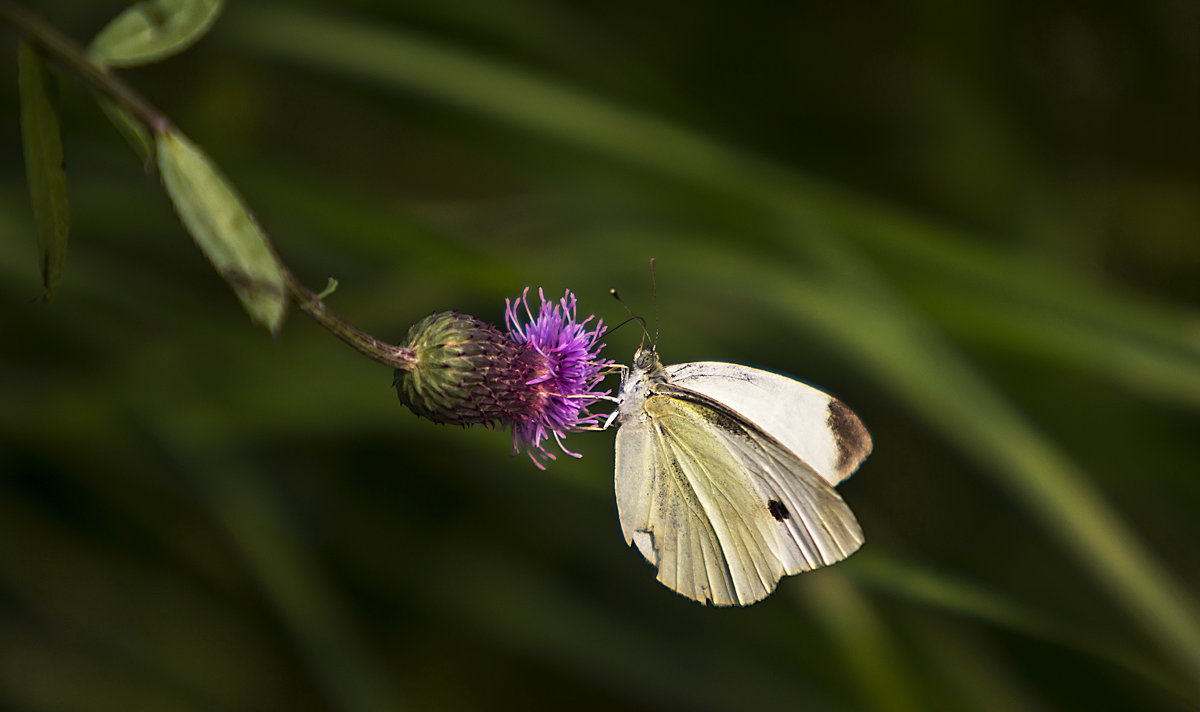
[465, 372]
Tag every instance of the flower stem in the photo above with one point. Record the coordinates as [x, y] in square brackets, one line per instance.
[66, 53]
[395, 356]
[72, 58]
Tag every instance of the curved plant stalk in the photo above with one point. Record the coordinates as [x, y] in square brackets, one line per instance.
[208, 205]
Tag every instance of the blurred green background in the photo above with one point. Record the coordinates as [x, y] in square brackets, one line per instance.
[978, 224]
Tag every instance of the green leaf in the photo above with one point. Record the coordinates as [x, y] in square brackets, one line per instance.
[134, 131]
[330, 287]
[153, 30]
[223, 228]
[44, 166]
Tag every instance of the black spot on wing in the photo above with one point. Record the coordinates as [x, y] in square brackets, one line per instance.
[853, 440]
[778, 510]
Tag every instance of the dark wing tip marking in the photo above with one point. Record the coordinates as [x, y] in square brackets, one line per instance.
[778, 510]
[853, 440]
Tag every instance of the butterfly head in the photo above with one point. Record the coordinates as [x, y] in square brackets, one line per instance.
[646, 359]
[637, 384]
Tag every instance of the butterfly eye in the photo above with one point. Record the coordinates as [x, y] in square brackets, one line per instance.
[778, 510]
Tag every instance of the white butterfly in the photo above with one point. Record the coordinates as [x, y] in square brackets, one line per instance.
[725, 476]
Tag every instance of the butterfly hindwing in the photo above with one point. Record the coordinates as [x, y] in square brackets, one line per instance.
[812, 525]
[721, 508]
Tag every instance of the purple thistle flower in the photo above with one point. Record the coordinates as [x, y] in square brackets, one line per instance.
[539, 377]
[568, 367]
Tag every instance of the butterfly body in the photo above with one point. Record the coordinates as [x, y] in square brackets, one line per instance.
[725, 476]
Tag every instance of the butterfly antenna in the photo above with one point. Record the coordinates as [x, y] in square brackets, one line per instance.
[654, 292]
[632, 317]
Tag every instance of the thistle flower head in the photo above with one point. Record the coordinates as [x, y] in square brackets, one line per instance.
[539, 377]
[568, 369]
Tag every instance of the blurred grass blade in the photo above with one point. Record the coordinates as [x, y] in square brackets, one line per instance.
[223, 228]
[949, 594]
[933, 250]
[134, 132]
[963, 598]
[261, 532]
[44, 168]
[1002, 325]
[969, 665]
[153, 30]
[863, 640]
[121, 615]
[529, 608]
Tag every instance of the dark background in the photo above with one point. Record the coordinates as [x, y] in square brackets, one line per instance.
[976, 223]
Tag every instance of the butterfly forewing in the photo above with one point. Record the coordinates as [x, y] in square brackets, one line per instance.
[815, 426]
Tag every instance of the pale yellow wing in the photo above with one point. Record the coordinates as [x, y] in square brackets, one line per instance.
[722, 509]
